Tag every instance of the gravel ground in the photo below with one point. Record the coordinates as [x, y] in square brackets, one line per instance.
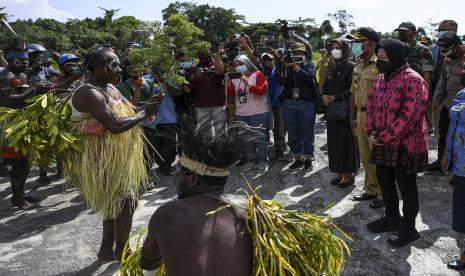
[62, 236]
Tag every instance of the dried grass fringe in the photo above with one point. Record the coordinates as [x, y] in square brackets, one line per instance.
[109, 168]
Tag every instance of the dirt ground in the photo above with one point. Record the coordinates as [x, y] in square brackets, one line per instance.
[62, 236]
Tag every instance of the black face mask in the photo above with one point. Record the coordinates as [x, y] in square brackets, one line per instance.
[403, 37]
[384, 67]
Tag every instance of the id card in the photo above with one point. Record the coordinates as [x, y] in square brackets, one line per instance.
[295, 93]
[242, 98]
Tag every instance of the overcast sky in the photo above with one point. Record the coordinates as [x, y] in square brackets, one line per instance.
[383, 15]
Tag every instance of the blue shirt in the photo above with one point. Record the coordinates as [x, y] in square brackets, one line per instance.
[274, 89]
[167, 113]
[455, 145]
[42, 74]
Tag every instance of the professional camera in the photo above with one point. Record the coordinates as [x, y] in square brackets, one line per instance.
[206, 72]
[288, 57]
[285, 28]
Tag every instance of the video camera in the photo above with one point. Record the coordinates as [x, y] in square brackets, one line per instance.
[234, 75]
[285, 29]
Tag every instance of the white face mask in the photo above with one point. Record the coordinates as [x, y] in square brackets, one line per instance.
[242, 69]
[336, 53]
[442, 33]
[299, 59]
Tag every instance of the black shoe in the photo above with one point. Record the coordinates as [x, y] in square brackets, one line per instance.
[335, 181]
[308, 166]
[296, 165]
[434, 167]
[403, 236]
[347, 184]
[384, 224]
[363, 197]
[376, 203]
[241, 162]
[456, 264]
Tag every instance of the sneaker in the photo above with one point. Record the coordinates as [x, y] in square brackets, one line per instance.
[384, 224]
[308, 166]
[296, 165]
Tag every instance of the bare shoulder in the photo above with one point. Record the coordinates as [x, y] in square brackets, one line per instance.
[87, 95]
[173, 212]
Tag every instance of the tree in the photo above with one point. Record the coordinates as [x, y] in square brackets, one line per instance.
[344, 20]
[217, 23]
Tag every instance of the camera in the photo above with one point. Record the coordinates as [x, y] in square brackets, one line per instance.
[231, 45]
[234, 75]
[288, 57]
[285, 29]
[206, 72]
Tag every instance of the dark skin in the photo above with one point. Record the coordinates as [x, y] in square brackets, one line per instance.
[88, 99]
[191, 243]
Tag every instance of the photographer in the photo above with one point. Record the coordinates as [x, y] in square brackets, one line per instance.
[249, 90]
[208, 90]
[298, 96]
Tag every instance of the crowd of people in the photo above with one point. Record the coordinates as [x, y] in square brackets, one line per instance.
[380, 99]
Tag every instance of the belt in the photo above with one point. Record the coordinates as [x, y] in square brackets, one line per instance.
[363, 109]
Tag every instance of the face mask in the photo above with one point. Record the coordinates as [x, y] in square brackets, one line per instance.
[442, 33]
[336, 53]
[403, 37]
[384, 67]
[242, 69]
[357, 49]
[462, 79]
[299, 59]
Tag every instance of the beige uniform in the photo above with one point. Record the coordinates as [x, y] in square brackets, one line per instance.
[323, 68]
[362, 81]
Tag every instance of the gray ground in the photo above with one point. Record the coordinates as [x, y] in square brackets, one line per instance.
[62, 236]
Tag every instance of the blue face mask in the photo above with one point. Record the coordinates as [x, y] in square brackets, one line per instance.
[242, 69]
[357, 49]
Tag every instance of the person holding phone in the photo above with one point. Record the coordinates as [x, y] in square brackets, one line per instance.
[252, 108]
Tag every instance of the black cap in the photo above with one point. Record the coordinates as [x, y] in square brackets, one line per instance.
[449, 40]
[407, 26]
[364, 33]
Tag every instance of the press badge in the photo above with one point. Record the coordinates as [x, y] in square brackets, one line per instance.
[295, 92]
[242, 98]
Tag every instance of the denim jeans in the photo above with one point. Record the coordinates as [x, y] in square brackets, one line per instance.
[299, 121]
[257, 150]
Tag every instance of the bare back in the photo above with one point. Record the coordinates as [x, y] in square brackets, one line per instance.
[192, 243]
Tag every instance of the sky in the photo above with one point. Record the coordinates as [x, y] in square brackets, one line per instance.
[382, 15]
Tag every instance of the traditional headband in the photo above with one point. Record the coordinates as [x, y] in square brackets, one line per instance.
[202, 169]
[19, 55]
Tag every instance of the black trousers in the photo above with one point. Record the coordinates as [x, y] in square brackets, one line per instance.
[162, 139]
[18, 175]
[443, 128]
[407, 184]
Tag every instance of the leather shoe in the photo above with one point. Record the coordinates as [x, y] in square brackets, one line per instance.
[335, 181]
[456, 264]
[376, 203]
[347, 184]
[363, 197]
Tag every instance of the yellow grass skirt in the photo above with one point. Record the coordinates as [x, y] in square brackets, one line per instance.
[108, 168]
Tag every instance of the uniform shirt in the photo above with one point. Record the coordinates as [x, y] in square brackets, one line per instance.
[420, 59]
[324, 65]
[42, 74]
[455, 145]
[362, 81]
[449, 83]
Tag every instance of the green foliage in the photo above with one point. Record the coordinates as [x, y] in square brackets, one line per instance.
[216, 22]
[177, 34]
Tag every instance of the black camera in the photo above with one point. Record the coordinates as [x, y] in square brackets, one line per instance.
[234, 75]
[206, 72]
[284, 28]
[231, 45]
[288, 57]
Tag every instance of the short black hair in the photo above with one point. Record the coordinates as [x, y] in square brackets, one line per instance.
[96, 56]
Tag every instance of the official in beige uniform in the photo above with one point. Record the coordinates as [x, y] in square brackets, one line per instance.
[365, 71]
